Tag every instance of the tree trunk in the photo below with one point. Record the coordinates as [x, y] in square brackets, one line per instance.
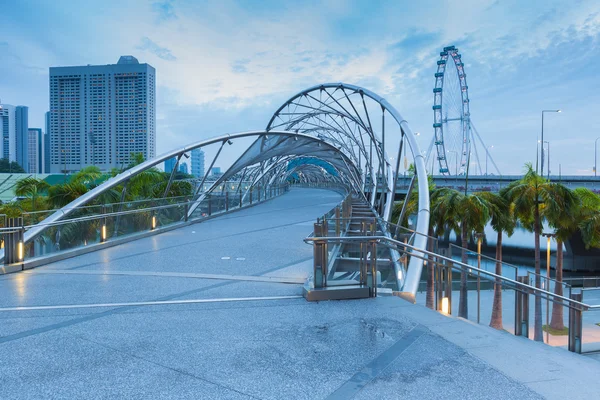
[537, 328]
[557, 321]
[496, 321]
[463, 308]
[430, 298]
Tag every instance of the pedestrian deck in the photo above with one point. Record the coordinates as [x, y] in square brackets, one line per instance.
[247, 332]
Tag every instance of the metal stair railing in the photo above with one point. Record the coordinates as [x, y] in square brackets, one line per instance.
[521, 286]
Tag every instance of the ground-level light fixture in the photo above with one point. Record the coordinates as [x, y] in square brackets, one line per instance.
[20, 251]
[445, 305]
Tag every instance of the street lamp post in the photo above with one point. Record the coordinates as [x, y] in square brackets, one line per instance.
[486, 158]
[548, 143]
[549, 236]
[596, 156]
[542, 141]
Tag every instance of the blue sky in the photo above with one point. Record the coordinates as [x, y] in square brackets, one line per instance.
[227, 66]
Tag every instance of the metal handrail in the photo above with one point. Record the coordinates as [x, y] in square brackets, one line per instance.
[103, 205]
[437, 240]
[544, 277]
[579, 305]
[106, 215]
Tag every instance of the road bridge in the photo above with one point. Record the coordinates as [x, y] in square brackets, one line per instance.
[493, 183]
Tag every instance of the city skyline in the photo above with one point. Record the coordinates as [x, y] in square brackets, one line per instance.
[226, 67]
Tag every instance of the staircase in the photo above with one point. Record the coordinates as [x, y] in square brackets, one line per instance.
[348, 269]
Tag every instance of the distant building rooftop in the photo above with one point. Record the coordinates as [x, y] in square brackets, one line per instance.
[128, 60]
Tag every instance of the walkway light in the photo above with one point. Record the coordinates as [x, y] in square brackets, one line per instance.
[20, 251]
[103, 233]
[153, 222]
[445, 305]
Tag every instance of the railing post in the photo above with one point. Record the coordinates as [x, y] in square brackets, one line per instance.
[226, 199]
[259, 194]
[251, 190]
[363, 255]
[575, 323]
[241, 199]
[186, 208]
[14, 247]
[209, 205]
[444, 289]
[320, 257]
[522, 308]
[372, 275]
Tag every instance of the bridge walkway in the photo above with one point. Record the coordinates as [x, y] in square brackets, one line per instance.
[249, 335]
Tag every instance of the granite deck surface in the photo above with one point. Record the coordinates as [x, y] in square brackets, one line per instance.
[260, 349]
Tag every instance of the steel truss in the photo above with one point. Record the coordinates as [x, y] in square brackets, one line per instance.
[333, 132]
[364, 126]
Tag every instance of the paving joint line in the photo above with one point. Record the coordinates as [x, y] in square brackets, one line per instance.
[158, 274]
[179, 371]
[91, 317]
[373, 369]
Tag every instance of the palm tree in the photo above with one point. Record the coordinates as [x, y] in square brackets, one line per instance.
[32, 188]
[581, 213]
[589, 217]
[142, 185]
[62, 194]
[534, 197]
[503, 221]
[87, 175]
[464, 214]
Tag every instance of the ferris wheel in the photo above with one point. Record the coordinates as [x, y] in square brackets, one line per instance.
[456, 140]
[451, 115]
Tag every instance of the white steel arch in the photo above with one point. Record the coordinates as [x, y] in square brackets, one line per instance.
[354, 120]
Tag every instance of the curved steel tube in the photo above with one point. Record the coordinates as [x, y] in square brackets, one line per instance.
[413, 276]
[126, 175]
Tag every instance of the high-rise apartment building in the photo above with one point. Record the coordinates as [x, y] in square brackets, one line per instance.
[47, 145]
[22, 136]
[14, 126]
[35, 151]
[7, 129]
[183, 167]
[198, 163]
[170, 164]
[101, 114]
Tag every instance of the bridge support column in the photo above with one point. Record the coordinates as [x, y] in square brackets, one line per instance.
[522, 308]
[575, 322]
[14, 247]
